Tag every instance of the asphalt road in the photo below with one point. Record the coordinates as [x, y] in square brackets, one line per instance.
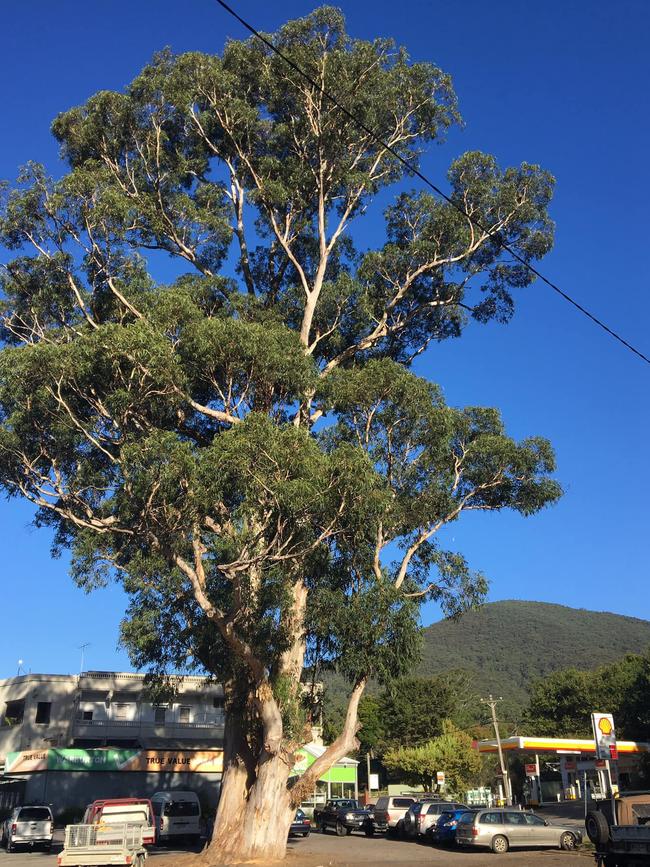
[326, 849]
[320, 850]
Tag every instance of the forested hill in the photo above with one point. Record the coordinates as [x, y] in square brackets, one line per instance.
[506, 645]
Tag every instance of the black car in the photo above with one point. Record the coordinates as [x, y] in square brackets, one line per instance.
[300, 825]
[344, 815]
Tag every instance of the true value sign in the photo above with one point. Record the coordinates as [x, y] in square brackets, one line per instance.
[604, 736]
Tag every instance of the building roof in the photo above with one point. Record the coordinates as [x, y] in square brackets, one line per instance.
[317, 750]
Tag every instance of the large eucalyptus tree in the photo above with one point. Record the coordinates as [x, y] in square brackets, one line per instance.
[249, 454]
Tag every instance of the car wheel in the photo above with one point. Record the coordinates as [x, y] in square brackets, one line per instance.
[499, 845]
[568, 841]
[400, 829]
[306, 834]
[597, 827]
[341, 830]
[369, 831]
[321, 826]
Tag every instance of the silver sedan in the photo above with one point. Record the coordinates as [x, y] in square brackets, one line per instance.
[501, 830]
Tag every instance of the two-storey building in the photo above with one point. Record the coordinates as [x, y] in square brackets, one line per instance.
[72, 738]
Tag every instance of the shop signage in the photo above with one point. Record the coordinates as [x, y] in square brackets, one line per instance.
[604, 735]
[153, 761]
[440, 778]
[531, 770]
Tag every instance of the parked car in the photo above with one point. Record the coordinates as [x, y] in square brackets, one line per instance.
[123, 811]
[300, 825]
[178, 815]
[423, 816]
[345, 815]
[428, 821]
[444, 831]
[501, 830]
[389, 812]
[28, 826]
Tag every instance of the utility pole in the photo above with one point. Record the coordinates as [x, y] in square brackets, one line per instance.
[492, 703]
[368, 770]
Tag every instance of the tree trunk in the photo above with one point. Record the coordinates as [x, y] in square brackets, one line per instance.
[253, 826]
[237, 778]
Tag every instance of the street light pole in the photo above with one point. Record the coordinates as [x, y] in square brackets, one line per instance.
[492, 703]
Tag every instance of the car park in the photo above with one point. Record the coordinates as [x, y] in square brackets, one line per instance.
[28, 826]
[300, 825]
[389, 812]
[500, 830]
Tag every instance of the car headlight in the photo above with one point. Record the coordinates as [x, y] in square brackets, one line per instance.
[349, 816]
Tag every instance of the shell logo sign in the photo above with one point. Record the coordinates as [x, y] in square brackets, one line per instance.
[605, 726]
[604, 735]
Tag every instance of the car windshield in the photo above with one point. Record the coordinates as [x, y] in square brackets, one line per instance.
[181, 808]
[34, 814]
[300, 814]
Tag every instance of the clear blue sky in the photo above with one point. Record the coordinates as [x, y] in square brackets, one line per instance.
[561, 83]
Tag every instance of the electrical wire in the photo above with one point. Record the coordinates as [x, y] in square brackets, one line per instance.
[415, 171]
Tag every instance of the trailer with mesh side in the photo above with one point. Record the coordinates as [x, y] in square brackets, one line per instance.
[100, 845]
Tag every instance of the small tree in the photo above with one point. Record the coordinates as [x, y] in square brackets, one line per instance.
[450, 752]
[168, 433]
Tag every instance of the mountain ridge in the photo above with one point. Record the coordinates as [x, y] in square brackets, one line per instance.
[507, 644]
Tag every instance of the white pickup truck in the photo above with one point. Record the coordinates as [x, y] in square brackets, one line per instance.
[101, 844]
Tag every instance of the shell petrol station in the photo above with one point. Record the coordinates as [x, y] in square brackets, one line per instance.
[579, 766]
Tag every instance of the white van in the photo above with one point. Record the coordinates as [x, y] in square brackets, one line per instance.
[178, 814]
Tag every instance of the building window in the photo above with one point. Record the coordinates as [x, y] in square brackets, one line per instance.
[159, 716]
[121, 711]
[43, 710]
[184, 714]
[218, 703]
[87, 715]
[14, 713]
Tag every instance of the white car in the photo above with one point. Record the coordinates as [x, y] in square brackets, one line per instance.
[28, 826]
[178, 815]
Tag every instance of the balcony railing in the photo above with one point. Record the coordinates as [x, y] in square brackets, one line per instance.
[150, 724]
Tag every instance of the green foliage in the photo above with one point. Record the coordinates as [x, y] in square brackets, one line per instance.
[408, 712]
[168, 433]
[450, 752]
[562, 703]
[414, 709]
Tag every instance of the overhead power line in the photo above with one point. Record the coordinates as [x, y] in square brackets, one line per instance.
[415, 171]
